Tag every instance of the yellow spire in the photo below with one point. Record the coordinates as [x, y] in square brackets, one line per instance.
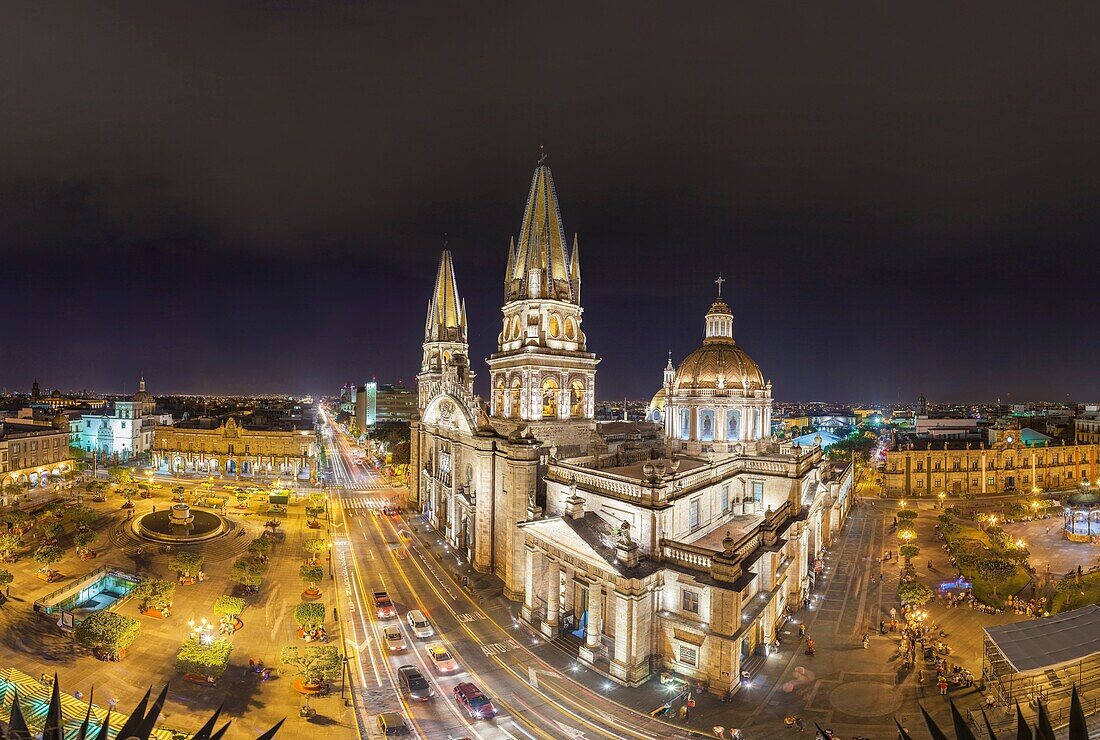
[446, 312]
[541, 247]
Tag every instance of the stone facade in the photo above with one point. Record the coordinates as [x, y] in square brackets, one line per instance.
[979, 469]
[32, 452]
[234, 450]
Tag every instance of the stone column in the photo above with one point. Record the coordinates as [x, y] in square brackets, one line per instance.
[587, 652]
[528, 607]
[630, 664]
[553, 599]
[565, 397]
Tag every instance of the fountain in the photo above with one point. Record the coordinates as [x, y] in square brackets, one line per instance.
[180, 524]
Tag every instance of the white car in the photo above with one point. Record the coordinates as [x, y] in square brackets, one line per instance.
[419, 624]
[441, 658]
[393, 638]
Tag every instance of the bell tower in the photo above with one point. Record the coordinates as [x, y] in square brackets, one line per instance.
[542, 369]
[446, 354]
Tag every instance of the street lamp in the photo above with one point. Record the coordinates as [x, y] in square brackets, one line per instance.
[942, 496]
[903, 503]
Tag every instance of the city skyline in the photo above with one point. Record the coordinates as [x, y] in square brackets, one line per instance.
[890, 223]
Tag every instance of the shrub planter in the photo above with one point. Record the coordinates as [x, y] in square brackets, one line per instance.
[318, 634]
[50, 577]
[89, 555]
[200, 680]
[156, 613]
[311, 594]
[188, 580]
[308, 689]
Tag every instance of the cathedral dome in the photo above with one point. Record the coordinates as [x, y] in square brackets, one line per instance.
[718, 365]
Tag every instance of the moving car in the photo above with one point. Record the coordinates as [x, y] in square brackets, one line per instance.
[393, 638]
[476, 704]
[419, 624]
[383, 606]
[392, 723]
[414, 684]
[441, 658]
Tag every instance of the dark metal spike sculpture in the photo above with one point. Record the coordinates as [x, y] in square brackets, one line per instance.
[962, 729]
[933, 729]
[17, 725]
[1044, 730]
[1078, 727]
[134, 721]
[1023, 729]
[150, 722]
[207, 729]
[54, 727]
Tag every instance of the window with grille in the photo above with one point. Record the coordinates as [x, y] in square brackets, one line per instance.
[689, 656]
[693, 515]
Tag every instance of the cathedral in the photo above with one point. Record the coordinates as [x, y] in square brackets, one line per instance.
[677, 545]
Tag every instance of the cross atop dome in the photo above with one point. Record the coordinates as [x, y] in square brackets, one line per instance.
[720, 280]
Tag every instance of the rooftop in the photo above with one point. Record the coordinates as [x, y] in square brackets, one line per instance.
[1044, 643]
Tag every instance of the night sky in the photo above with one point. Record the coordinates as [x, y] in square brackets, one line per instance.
[251, 196]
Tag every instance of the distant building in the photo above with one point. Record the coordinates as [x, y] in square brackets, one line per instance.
[1086, 427]
[366, 399]
[33, 451]
[940, 429]
[823, 439]
[119, 434]
[233, 449]
[55, 400]
[394, 403]
[958, 468]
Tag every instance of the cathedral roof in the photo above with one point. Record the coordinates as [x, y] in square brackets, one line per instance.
[446, 320]
[658, 400]
[719, 362]
[542, 246]
[718, 365]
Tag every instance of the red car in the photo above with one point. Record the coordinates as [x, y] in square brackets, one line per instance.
[476, 704]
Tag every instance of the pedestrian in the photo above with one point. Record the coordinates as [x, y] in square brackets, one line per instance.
[943, 685]
[251, 664]
[683, 712]
[78, 694]
[799, 724]
[154, 508]
[719, 732]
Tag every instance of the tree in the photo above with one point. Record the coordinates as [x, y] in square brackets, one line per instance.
[229, 606]
[247, 573]
[187, 564]
[312, 574]
[10, 545]
[52, 531]
[906, 515]
[259, 547]
[82, 540]
[310, 615]
[120, 475]
[914, 593]
[313, 511]
[209, 660]
[908, 552]
[128, 492]
[18, 519]
[242, 498]
[82, 516]
[47, 555]
[107, 633]
[153, 593]
[314, 547]
[996, 570]
[316, 664]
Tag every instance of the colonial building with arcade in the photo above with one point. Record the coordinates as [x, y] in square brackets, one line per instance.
[680, 544]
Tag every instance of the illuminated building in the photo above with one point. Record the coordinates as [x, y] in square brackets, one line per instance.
[33, 451]
[682, 546]
[123, 434]
[233, 449]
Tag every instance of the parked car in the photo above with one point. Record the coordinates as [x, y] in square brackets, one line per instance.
[441, 658]
[419, 624]
[393, 638]
[476, 704]
[392, 723]
[414, 684]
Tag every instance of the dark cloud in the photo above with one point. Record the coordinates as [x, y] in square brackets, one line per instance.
[251, 196]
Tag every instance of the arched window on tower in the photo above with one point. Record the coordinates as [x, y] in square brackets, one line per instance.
[498, 397]
[512, 409]
[550, 398]
[733, 425]
[576, 398]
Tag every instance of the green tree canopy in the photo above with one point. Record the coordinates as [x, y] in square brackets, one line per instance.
[996, 570]
[83, 539]
[10, 545]
[82, 516]
[259, 547]
[914, 593]
[153, 593]
[228, 606]
[315, 546]
[909, 551]
[108, 633]
[120, 474]
[309, 614]
[247, 572]
[906, 515]
[186, 563]
[316, 664]
[208, 660]
[314, 574]
[47, 555]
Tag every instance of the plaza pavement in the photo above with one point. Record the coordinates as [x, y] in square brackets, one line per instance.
[34, 644]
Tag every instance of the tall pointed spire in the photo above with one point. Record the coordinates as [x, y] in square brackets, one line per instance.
[141, 384]
[539, 268]
[575, 270]
[446, 312]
